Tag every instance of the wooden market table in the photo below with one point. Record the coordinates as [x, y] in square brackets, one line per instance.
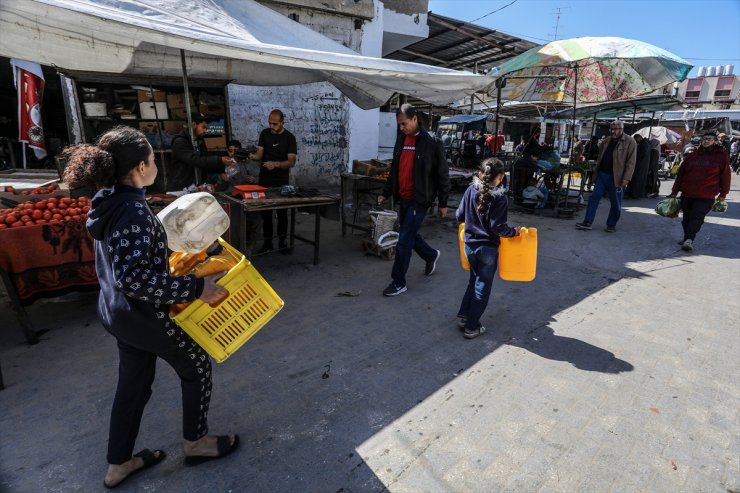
[315, 203]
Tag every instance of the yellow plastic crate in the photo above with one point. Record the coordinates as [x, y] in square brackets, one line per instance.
[251, 304]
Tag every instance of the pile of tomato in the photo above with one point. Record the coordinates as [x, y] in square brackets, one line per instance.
[46, 211]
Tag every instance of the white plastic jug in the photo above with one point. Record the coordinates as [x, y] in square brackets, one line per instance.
[193, 222]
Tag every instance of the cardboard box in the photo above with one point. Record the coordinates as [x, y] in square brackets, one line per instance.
[178, 101]
[146, 96]
[174, 127]
[215, 143]
[147, 111]
[148, 127]
[214, 110]
[178, 113]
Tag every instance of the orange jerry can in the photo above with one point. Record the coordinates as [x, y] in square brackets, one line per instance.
[517, 256]
[461, 240]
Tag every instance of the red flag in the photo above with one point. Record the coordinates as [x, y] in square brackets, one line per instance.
[30, 83]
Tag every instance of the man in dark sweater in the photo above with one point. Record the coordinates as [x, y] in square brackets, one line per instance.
[277, 150]
[419, 175]
[187, 156]
[617, 155]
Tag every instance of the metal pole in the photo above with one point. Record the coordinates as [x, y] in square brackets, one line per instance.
[23, 148]
[161, 139]
[186, 96]
[500, 84]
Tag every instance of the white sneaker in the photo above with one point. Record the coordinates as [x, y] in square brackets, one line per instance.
[687, 246]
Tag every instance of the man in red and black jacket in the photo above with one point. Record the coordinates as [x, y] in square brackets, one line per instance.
[419, 174]
[703, 177]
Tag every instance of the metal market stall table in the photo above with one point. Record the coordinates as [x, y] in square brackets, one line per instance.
[315, 203]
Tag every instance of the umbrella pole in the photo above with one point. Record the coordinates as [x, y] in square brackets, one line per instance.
[572, 141]
[186, 96]
[500, 83]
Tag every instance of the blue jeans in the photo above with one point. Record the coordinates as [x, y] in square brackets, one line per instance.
[409, 240]
[605, 181]
[483, 263]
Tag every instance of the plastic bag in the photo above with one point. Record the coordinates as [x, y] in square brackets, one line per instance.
[668, 207]
[719, 206]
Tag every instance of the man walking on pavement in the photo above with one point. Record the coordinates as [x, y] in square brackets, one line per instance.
[419, 173]
[616, 163]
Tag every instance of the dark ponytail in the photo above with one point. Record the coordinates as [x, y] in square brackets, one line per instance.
[117, 152]
[489, 169]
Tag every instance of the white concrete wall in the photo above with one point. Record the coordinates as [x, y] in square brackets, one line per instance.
[317, 114]
[363, 124]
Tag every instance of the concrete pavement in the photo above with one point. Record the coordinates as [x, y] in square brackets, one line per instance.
[615, 370]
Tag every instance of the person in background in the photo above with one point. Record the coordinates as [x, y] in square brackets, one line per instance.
[447, 138]
[136, 289]
[725, 143]
[703, 177]
[652, 188]
[484, 209]
[187, 156]
[520, 147]
[637, 186]
[237, 174]
[735, 155]
[277, 150]
[419, 174]
[616, 163]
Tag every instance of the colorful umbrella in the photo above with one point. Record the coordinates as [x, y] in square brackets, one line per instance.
[661, 134]
[599, 69]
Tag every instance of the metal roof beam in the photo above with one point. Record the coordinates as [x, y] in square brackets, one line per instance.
[452, 27]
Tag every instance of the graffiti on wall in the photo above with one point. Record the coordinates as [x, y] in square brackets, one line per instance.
[317, 114]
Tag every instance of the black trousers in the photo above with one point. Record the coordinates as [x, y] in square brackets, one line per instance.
[138, 349]
[694, 212]
[282, 225]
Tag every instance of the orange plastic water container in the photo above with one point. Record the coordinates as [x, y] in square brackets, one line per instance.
[461, 240]
[517, 256]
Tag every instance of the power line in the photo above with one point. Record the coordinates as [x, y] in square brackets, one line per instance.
[497, 10]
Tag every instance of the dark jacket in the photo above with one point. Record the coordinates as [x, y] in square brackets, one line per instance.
[484, 231]
[185, 158]
[131, 260]
[704, 174]
[431, 172]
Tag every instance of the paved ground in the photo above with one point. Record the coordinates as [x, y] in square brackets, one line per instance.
[615, 370]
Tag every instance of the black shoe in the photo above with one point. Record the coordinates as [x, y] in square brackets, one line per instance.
[393, 290]
[431, 265]
[584, 225]
[267, 247]
[610, 229]
[461, 322]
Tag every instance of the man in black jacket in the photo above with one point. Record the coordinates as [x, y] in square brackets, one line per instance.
[419, 174]
[186, 156]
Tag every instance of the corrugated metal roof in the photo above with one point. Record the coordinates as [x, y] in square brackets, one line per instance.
[455, 44]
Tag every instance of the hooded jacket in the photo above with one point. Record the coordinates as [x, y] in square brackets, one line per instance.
[131, 260]
[484, 231]
[704, 174]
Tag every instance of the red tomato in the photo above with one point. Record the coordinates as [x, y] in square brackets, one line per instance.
[16, 224]
[76, 217]
[41, 204]
[40, 221]
[46, 215]
[10, 219]
[3, 226]
[66, 200]
[25, 219]
[26, 192]
[57, 216]
[67, 218]
[63, 205]
[37, 214]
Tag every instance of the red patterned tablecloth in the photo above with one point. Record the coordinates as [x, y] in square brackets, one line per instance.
[48, 260]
